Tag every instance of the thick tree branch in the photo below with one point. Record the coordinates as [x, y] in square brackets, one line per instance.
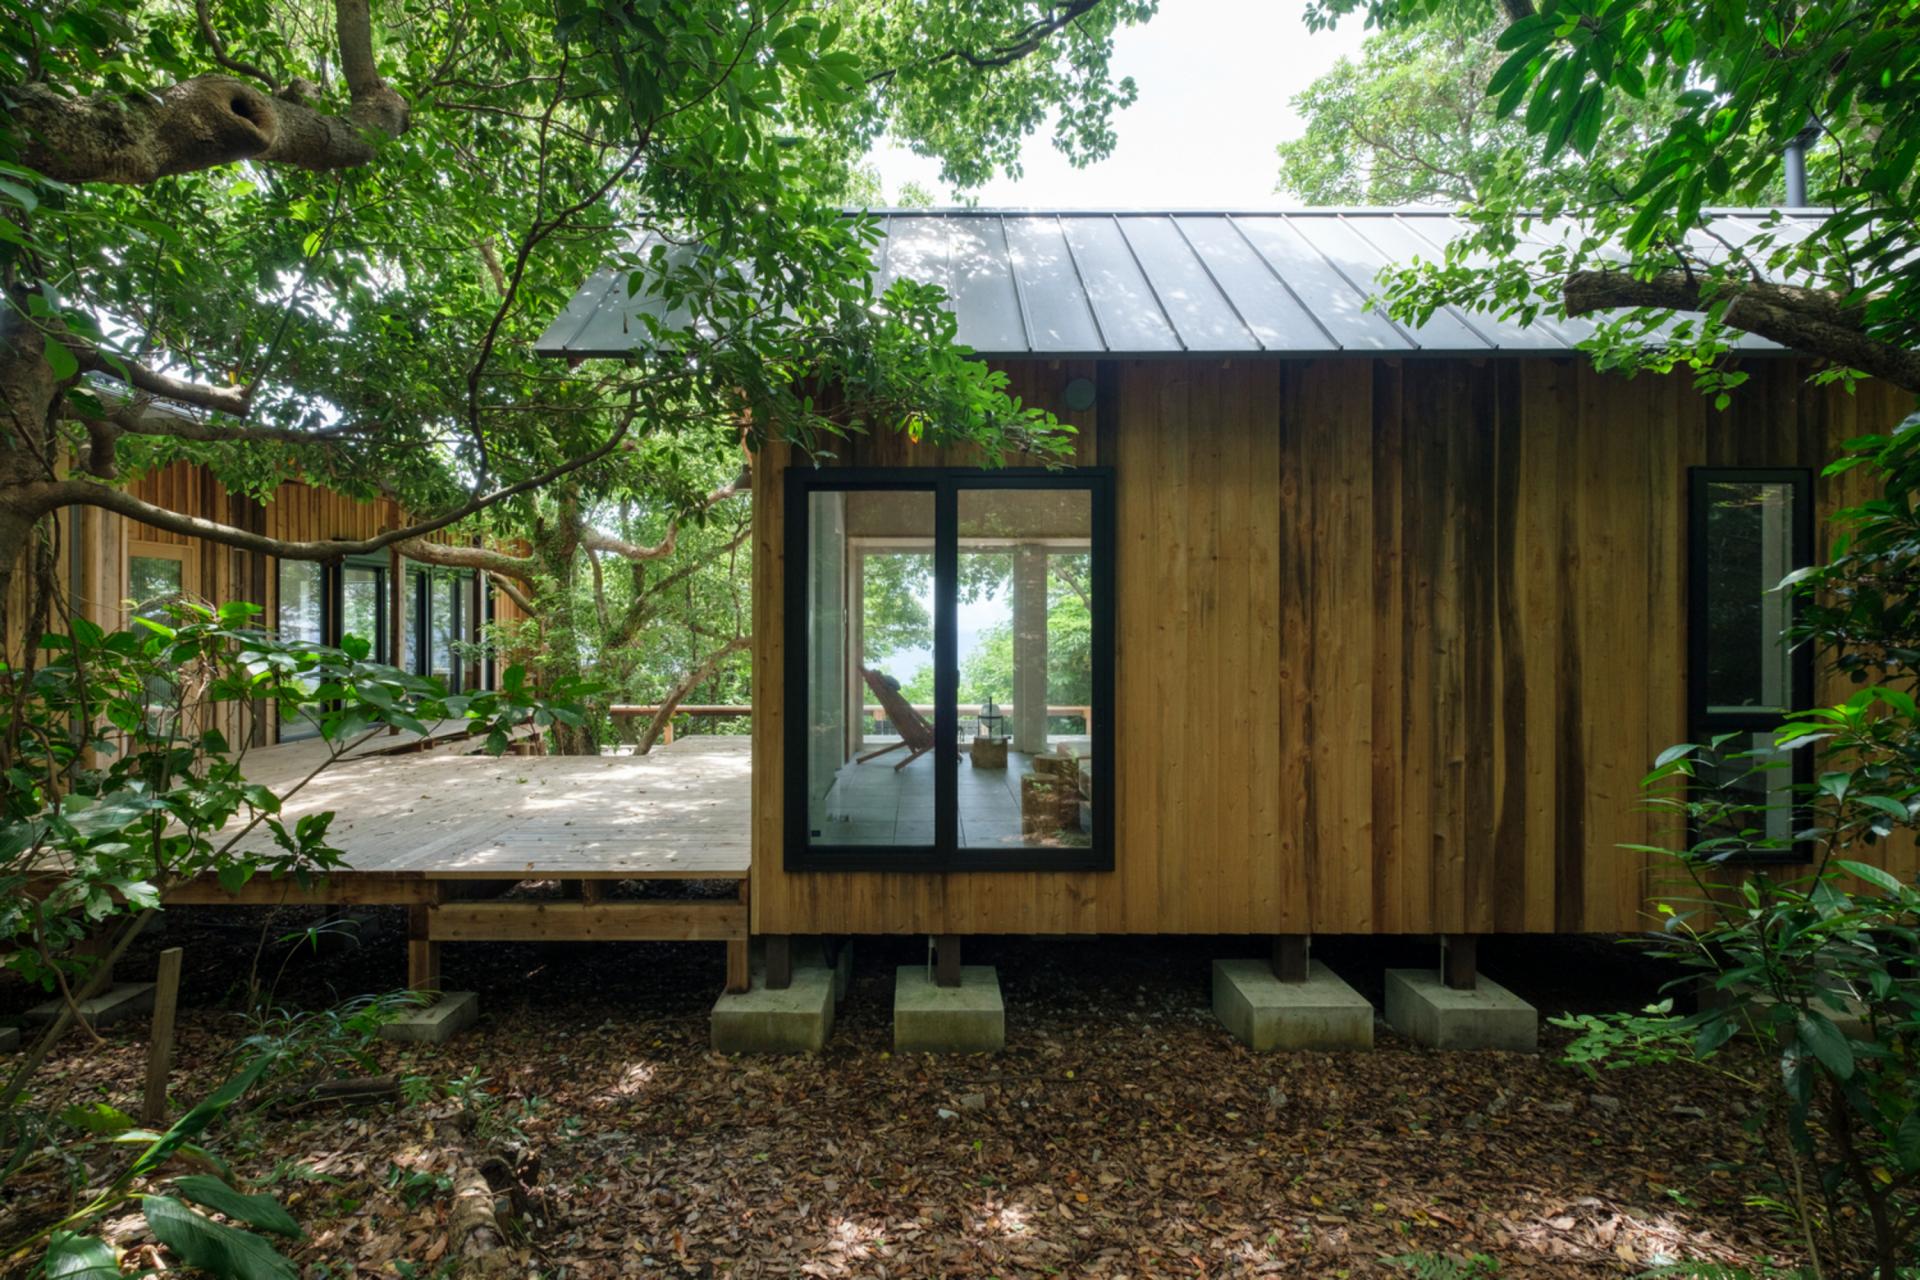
[28, 502]
[595, 540]
[1517, 9]
[229, 400]
[519, 568]
[1809, 320]
[209, 121]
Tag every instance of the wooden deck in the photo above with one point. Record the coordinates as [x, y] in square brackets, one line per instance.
[432, 827]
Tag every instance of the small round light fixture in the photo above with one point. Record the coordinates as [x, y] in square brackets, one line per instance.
[1078, 394]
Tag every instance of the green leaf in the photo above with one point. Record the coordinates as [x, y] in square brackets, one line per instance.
[190, 1125]
[1906, 1143]
[72, 1257]
[263, 1212]
[1872, 875]
[60, 360]
[224, 1252]
[1824, 1041]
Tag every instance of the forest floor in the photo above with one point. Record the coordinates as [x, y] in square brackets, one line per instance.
[1122, 1133]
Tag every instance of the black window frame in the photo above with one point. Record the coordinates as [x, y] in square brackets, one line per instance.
[337, 602]
[1704, 725]
[946, 855]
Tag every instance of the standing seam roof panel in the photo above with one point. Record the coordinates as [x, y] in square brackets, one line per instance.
[1324, 291]
[1203, 315]
[1057, 304]
[1123, 300]
[1264, 303]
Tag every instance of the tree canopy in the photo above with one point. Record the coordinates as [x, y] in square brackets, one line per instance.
[316, 238]
[1743, 82]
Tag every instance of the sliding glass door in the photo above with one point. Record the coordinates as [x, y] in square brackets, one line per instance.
[949, 669]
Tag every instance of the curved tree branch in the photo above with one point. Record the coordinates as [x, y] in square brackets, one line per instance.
[1814, 321]
[29, 502]
[519, 568]
[209, 121]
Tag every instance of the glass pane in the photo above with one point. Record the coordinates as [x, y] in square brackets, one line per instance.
[302, 616]
[302, 586]
[440, 629]
[870, 760]
[1024, 626]
[1747, 771]
[410, 642]
[1749, 549]
[362, 599]
[152, 581]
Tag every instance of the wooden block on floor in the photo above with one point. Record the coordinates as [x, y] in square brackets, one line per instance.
[122, 1000]
[435, 1023]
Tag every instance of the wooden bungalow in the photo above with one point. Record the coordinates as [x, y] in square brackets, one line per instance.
[1376, 629]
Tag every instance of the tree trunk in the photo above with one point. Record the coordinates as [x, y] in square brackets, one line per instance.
[556, 548]
[686, 684]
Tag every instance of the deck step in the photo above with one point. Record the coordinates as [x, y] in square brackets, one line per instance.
[716, 921]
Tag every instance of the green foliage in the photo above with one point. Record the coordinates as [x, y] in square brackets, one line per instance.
[383, 315]
[1443, 1266]
[1411, 123]
[120, 785]
[1801, 943]
[224, 1251]
[1725, 87]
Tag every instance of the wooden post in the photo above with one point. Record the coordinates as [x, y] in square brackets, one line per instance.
[591, 891]
[166, 1004]
[1290, 957]
[779, 961]
[946, 960]
[739, 975]
[423, 953]
[1460, 967]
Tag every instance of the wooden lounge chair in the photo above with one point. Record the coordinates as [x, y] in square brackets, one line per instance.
[916, 735]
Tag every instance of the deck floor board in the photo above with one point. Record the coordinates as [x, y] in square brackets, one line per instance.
[680, 812]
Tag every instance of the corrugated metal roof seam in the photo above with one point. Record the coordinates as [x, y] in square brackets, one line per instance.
[1059, 282]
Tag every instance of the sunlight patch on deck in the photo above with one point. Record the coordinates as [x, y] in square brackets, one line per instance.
[681, 811]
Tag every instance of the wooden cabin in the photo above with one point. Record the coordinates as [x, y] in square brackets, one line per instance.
[417, 616]
[1332, 625]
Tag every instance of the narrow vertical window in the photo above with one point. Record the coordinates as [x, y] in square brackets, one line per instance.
[301, 614]
[1749, 529]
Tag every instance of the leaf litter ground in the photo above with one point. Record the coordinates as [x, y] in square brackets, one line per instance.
[1122, 1133]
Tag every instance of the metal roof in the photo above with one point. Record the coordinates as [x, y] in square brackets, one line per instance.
[1132, 283]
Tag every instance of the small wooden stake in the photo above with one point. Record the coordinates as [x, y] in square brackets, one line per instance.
[166, 1003]
[1461, 969]
[1290, 957]
[946, 960]
[423, 954]
[739, 975]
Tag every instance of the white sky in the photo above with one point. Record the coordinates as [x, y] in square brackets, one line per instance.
[1215, 80]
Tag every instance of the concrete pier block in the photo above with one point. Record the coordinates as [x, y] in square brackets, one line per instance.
[969, 1018]
[121, 1000]
[1265, 1013]
[1487, 1016]
[796, 1020]
[435, 1023]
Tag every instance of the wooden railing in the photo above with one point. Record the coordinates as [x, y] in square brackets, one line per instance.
[630, 711]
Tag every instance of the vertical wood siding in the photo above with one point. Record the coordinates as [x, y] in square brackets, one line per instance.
[1397, 641]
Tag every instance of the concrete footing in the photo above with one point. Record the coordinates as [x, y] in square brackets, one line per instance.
[969, 1018]
[1265, 1013]
[811, 953]
[121, 1000]
[1485, 1016]
[435, 1023]
[794, 1020]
